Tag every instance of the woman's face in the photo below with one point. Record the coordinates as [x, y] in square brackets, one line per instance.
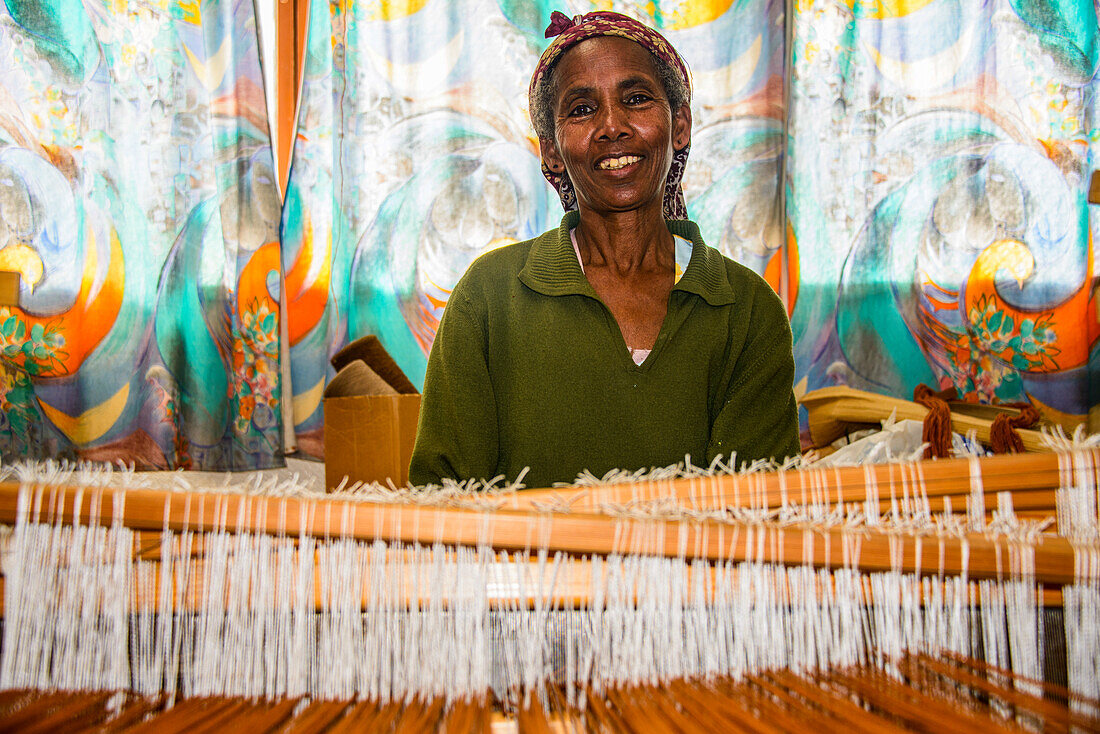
[614, 133]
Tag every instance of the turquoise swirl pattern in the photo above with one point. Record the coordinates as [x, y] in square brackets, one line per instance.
[138, 203]
[940, 154]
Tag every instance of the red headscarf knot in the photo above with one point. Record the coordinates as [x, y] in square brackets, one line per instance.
[559, 22]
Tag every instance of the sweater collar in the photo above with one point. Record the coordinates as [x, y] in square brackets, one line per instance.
[552, 268]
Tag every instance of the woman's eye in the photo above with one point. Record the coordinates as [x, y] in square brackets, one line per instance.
[580, 110]
[638, 98]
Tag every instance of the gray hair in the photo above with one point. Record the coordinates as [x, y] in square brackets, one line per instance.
[542, 112]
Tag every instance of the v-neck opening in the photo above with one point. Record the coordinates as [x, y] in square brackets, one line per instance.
[682, 253]
[675, 315]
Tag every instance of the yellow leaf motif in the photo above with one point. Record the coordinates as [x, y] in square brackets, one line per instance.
[880, 9]
[23, 259]
[93, 422]
[693, 13]
[213, 71]
[391, 9]
[304, 404]
[189, 12]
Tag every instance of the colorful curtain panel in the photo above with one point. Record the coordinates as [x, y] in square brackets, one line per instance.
[414, 155]
[937, 157]
[940, 153]
[138, 203]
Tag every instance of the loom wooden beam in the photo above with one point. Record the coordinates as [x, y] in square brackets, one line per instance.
[1033, 475]
[575, 533]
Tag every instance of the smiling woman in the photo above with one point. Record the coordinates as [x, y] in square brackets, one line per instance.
[614, 126]
[620, 339]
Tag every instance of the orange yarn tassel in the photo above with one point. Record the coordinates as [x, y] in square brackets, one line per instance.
[937, 424]
[1002, 434]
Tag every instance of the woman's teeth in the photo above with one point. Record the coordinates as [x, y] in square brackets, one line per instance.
[610, 164]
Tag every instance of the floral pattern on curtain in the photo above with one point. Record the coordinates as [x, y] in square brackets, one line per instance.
[940, 154]
[415, 154]
[138, 203]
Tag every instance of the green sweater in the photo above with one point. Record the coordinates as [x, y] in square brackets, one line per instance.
[529, 369]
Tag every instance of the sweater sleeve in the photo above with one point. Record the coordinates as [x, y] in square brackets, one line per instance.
[759, 418]
[457, 433]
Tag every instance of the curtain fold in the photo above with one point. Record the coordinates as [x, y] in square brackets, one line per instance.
[940, 154]
[138, 202]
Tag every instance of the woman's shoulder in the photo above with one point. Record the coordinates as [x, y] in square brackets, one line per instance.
[501, 259]
[490, 271]
[722, 279]
[754, 288]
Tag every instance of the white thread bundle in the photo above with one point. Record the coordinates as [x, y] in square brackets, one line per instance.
[1077, 507]
[256, 632]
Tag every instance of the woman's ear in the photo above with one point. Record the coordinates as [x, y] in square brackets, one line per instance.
[550, 155]
[681, 127]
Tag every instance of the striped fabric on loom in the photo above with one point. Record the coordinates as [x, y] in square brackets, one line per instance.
[894, 595]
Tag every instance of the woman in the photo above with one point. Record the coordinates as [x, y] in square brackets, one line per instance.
[619, 339]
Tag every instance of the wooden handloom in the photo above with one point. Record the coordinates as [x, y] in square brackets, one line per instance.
[1002, 528]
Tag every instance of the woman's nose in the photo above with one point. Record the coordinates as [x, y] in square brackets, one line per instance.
[613, 123]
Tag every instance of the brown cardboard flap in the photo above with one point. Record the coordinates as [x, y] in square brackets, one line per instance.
[371, 351]
[369, 438]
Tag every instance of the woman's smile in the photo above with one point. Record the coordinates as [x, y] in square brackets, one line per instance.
[612, 163]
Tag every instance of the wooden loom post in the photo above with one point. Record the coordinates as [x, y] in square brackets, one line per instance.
[10, 283]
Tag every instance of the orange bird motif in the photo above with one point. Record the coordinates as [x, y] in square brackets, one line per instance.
[305, 303]
[84, 325]
[1032, 340]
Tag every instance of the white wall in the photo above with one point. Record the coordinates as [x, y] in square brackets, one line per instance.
[265, 26]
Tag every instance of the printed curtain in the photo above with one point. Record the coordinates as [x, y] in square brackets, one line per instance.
[932, 225]
[940, 153]
[138, 203]
[414, 155]
[920, 206]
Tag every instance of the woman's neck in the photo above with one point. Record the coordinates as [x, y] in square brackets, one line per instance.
[625, 242]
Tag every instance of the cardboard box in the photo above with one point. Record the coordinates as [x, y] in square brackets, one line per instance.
[369, 438]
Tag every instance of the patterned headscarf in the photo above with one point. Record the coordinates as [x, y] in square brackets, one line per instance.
[569, 33]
